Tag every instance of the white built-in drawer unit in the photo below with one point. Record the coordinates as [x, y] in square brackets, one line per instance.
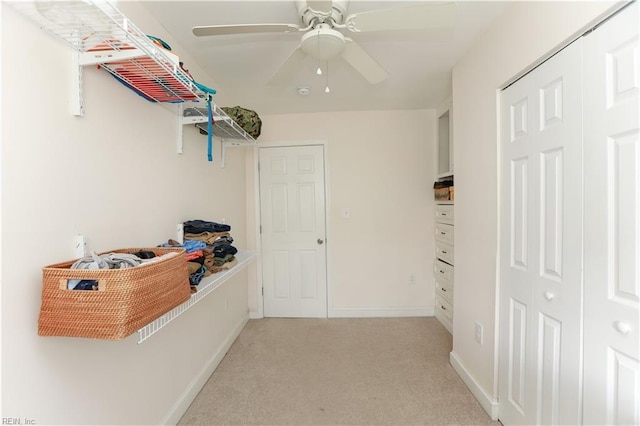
[444, 290]
[444, 213]
[443, 265]
[443, 271]
[444, 312]
[444, 232]
[444, 251]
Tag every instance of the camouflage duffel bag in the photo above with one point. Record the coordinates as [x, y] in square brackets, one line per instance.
[246, 118]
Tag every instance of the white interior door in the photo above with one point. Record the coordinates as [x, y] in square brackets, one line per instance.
[292, 212]
[541, 243]
[612, 222]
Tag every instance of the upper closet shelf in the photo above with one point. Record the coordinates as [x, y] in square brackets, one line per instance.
[102, 35]
[224, 128]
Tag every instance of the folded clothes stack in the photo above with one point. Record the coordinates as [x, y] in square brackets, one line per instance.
[209, 249]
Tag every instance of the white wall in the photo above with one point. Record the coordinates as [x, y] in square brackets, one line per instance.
[113, 176]
[523, 35]
[381, 165]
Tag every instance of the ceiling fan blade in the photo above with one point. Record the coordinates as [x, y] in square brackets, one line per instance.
[288, 69]
[212, 30]
[323, 6]
[363, 63]
[426, 16]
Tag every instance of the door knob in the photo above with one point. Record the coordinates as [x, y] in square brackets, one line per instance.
[622, 327]
[320, 241]
[549, 296]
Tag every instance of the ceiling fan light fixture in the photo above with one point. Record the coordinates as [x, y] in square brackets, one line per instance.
[323, 43]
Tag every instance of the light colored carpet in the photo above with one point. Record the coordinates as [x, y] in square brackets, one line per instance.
[365, 371]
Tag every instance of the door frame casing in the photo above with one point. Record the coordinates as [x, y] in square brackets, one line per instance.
[258, 237]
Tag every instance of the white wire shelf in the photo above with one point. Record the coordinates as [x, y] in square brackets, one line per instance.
[103, 36]
[224, 128]
[206, 286]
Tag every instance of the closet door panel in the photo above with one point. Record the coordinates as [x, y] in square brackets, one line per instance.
[557, 285]
[612, 222]
[541, 240]
[517, 377]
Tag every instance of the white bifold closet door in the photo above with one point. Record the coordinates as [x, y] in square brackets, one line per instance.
[541, 240]
[570, 234]
[612, 222]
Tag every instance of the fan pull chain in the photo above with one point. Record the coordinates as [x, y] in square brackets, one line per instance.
[327, 90]
[319, 70]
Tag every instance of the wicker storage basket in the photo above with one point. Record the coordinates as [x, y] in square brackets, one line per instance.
[126, 300]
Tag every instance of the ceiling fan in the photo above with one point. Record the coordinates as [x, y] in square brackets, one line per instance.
[322, 21]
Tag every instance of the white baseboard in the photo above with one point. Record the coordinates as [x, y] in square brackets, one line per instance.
[488, 403]
[185, 400]
[255, 315]
[380, 312]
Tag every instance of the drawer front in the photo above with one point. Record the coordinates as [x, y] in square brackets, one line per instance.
[443, 271]
[444, 233]
[444, 214]
[444, 252]
[444, 308]
[444, 290]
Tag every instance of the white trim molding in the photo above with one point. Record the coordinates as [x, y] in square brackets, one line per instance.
[380, 312]
[488, 403]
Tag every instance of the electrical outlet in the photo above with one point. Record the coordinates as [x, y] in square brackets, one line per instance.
[412, 278]
[479, 333]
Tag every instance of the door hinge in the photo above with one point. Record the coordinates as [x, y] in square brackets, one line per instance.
[258, 167]
[261, 229]
[263, 291]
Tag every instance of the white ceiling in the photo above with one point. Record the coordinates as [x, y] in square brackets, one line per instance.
[419, 65]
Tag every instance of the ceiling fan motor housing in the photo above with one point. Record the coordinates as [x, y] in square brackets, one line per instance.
[323, 43]
[337, 14]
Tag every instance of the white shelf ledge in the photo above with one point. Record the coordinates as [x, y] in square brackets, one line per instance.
[224, 127]
[206, 286]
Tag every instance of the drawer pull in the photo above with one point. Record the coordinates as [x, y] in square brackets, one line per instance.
[444, 289]
[443, 233]
[443, 214]
[443, 308]
[444, 252]
[441, 271]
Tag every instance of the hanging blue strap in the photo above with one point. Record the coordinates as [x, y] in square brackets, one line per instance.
[209, 129]
[208, 97]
